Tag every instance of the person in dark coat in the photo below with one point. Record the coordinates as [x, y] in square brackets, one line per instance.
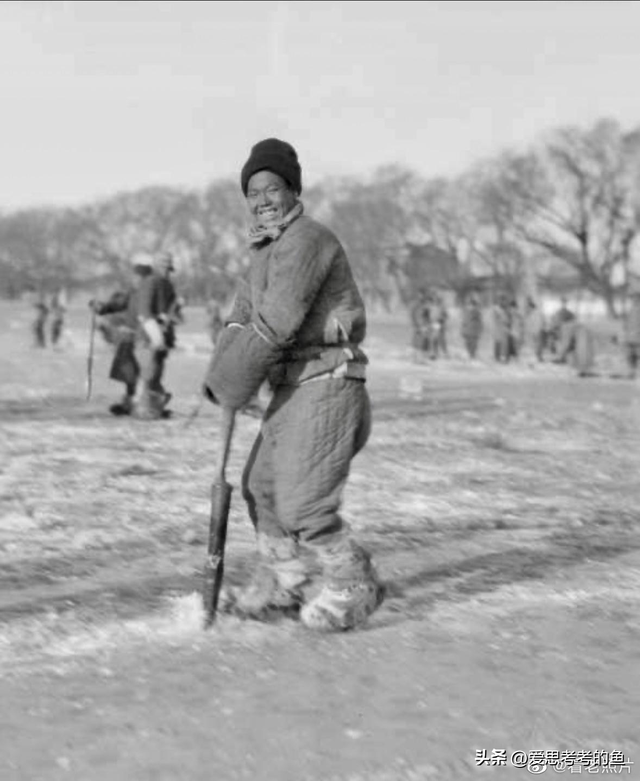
[57, 319]
[42, 313]
[298, 320]
[168, 302]
[439, 322]
[163, 305]
[421, 321]
[140, 340]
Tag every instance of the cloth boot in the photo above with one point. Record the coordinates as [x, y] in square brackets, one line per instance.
[350, 592]
[276, 585]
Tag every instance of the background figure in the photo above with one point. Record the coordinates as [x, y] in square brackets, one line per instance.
[42, 312]
[57, 318]
[584, 353]
[534, 329]
[632, 330]
[159, 311]
[439, 318]
[515, 327]
[500, 318]
[124, 365]
[566, 340]
[422, 326]
[554, 334]
[471, 326]
[215, 323]
[138, 361]
[576, 347]
[168, 304]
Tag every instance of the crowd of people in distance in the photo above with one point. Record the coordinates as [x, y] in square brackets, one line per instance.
[516, 331]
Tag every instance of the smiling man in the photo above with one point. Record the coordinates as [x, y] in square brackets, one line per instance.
[298, 322]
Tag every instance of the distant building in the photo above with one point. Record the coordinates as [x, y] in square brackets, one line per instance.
[419, 266]
[428, 265]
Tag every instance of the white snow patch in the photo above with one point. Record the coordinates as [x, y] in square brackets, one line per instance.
[59, 640]
[15, 521]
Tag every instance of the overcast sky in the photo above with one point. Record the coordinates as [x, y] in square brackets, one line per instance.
[100, 97]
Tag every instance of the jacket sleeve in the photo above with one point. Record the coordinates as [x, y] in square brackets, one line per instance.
[241, 359]
[297, 270]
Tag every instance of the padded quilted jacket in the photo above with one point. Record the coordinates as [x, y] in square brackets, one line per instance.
[301, 295]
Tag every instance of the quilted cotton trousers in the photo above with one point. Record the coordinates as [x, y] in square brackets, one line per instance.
[299, 464]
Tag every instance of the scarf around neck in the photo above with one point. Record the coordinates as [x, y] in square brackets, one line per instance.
[263, 234]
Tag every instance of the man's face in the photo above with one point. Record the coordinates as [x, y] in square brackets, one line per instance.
[269, 198]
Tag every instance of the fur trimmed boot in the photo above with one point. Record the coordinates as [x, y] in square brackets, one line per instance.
[275, 587]
[350, 592]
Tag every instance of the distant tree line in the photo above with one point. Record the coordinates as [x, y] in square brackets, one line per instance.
[572, 201]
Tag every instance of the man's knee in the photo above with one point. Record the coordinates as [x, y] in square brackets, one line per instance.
[309, 513]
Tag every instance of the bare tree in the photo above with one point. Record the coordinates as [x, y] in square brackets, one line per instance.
[583, 209]
[499, 191]
[215, 239]
[373, 220]
[48, 249]
[446, 216]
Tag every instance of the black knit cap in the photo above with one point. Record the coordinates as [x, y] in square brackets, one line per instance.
[271, 154]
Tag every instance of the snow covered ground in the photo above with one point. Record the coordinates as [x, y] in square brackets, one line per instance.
[500, 504]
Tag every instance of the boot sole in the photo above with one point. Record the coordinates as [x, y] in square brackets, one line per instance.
[268, 615]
